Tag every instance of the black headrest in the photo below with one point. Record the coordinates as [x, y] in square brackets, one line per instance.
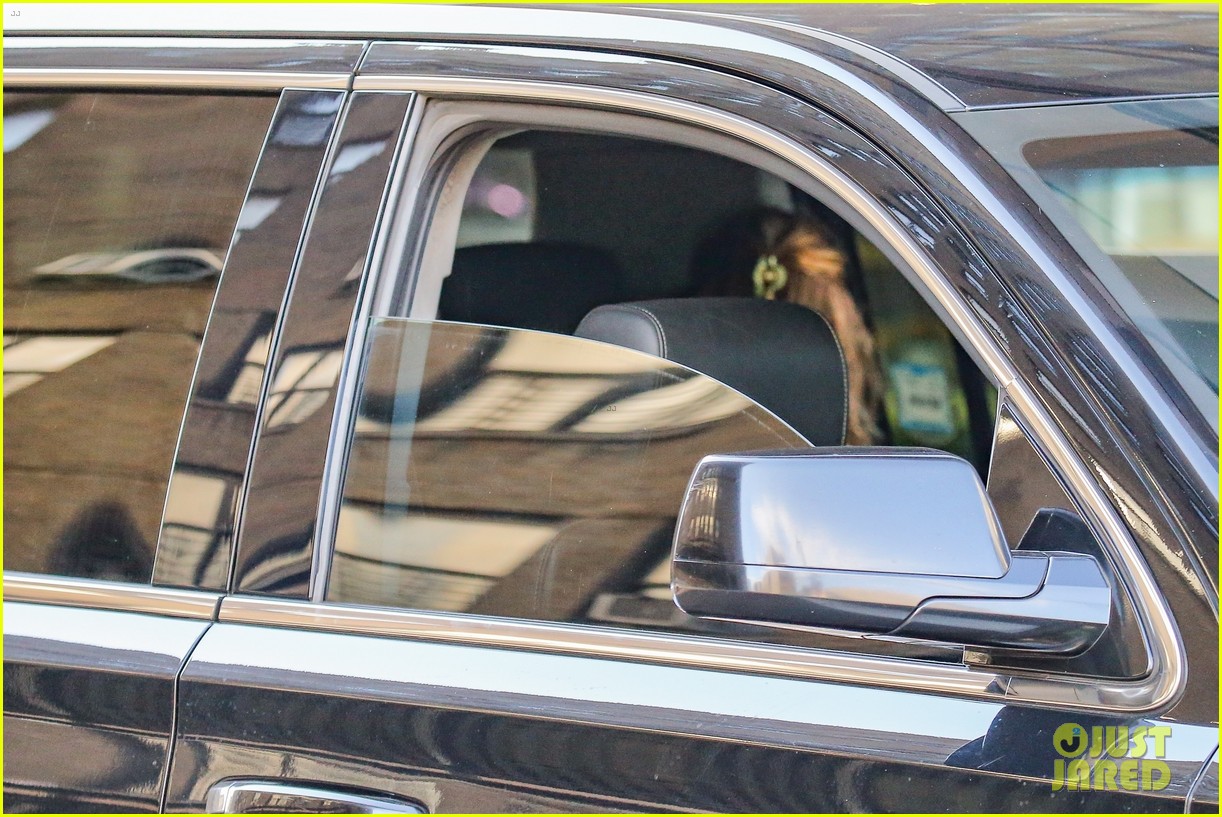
[539, 285]
[781, 355]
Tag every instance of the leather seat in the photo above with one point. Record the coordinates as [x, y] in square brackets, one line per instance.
[548, 286]
[783, 356]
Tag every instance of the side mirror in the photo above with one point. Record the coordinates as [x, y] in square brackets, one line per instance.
[875, 541]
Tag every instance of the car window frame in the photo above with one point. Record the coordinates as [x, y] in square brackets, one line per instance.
[1154, 690]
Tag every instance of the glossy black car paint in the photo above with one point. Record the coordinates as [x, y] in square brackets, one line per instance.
[218, 433]
[89, 724]
[274, 548]
[498, 753]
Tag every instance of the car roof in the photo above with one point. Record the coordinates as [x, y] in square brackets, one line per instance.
[961, 56]
[1014, 54]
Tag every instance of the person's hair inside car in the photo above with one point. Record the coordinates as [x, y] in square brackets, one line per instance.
[770, 253]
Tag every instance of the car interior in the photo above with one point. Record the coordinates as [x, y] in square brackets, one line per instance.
[556, 224]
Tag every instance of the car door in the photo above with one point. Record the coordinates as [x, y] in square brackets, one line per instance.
[139, 213]
[445, 584]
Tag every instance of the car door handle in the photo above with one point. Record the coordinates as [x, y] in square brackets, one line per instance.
[279, 797]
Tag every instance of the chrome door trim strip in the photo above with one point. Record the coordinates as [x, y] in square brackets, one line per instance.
[320, 276]
[273, 344]
[354, 350]
[172, 78]
[107, 595]
[687, 651]
[596, 641]
[1166, 679]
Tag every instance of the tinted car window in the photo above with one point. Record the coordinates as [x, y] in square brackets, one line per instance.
[531, 475]
[527, 474]
[119, 209]
[555, 223]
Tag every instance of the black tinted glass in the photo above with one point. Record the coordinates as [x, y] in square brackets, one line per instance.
[118, 212]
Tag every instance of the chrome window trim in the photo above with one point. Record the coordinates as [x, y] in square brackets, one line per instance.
[349, 377]
[696, 652]
[1158, 689]
[277, 331]
[108, 595]
[170, 78]
[600, 641]
[304, 263]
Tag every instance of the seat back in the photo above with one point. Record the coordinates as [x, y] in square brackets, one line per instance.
[783, 356]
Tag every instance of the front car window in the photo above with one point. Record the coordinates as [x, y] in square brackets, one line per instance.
[1134, 187]
[524, 474]
[485, 456]
[505, 463]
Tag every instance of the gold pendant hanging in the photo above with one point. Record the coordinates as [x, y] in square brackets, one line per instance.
[770, 277]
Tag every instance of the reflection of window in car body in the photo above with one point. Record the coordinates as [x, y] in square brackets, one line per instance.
[144, 266]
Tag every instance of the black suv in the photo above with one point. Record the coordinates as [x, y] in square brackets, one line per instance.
[393, 423]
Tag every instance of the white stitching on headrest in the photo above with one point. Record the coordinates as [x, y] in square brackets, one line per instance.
[657, 325]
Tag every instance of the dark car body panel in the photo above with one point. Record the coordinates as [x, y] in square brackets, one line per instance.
[89, 707]
[996, 55]
[596, 750]
[478, 715]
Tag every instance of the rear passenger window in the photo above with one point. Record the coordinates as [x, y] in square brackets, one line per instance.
[118, 212]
